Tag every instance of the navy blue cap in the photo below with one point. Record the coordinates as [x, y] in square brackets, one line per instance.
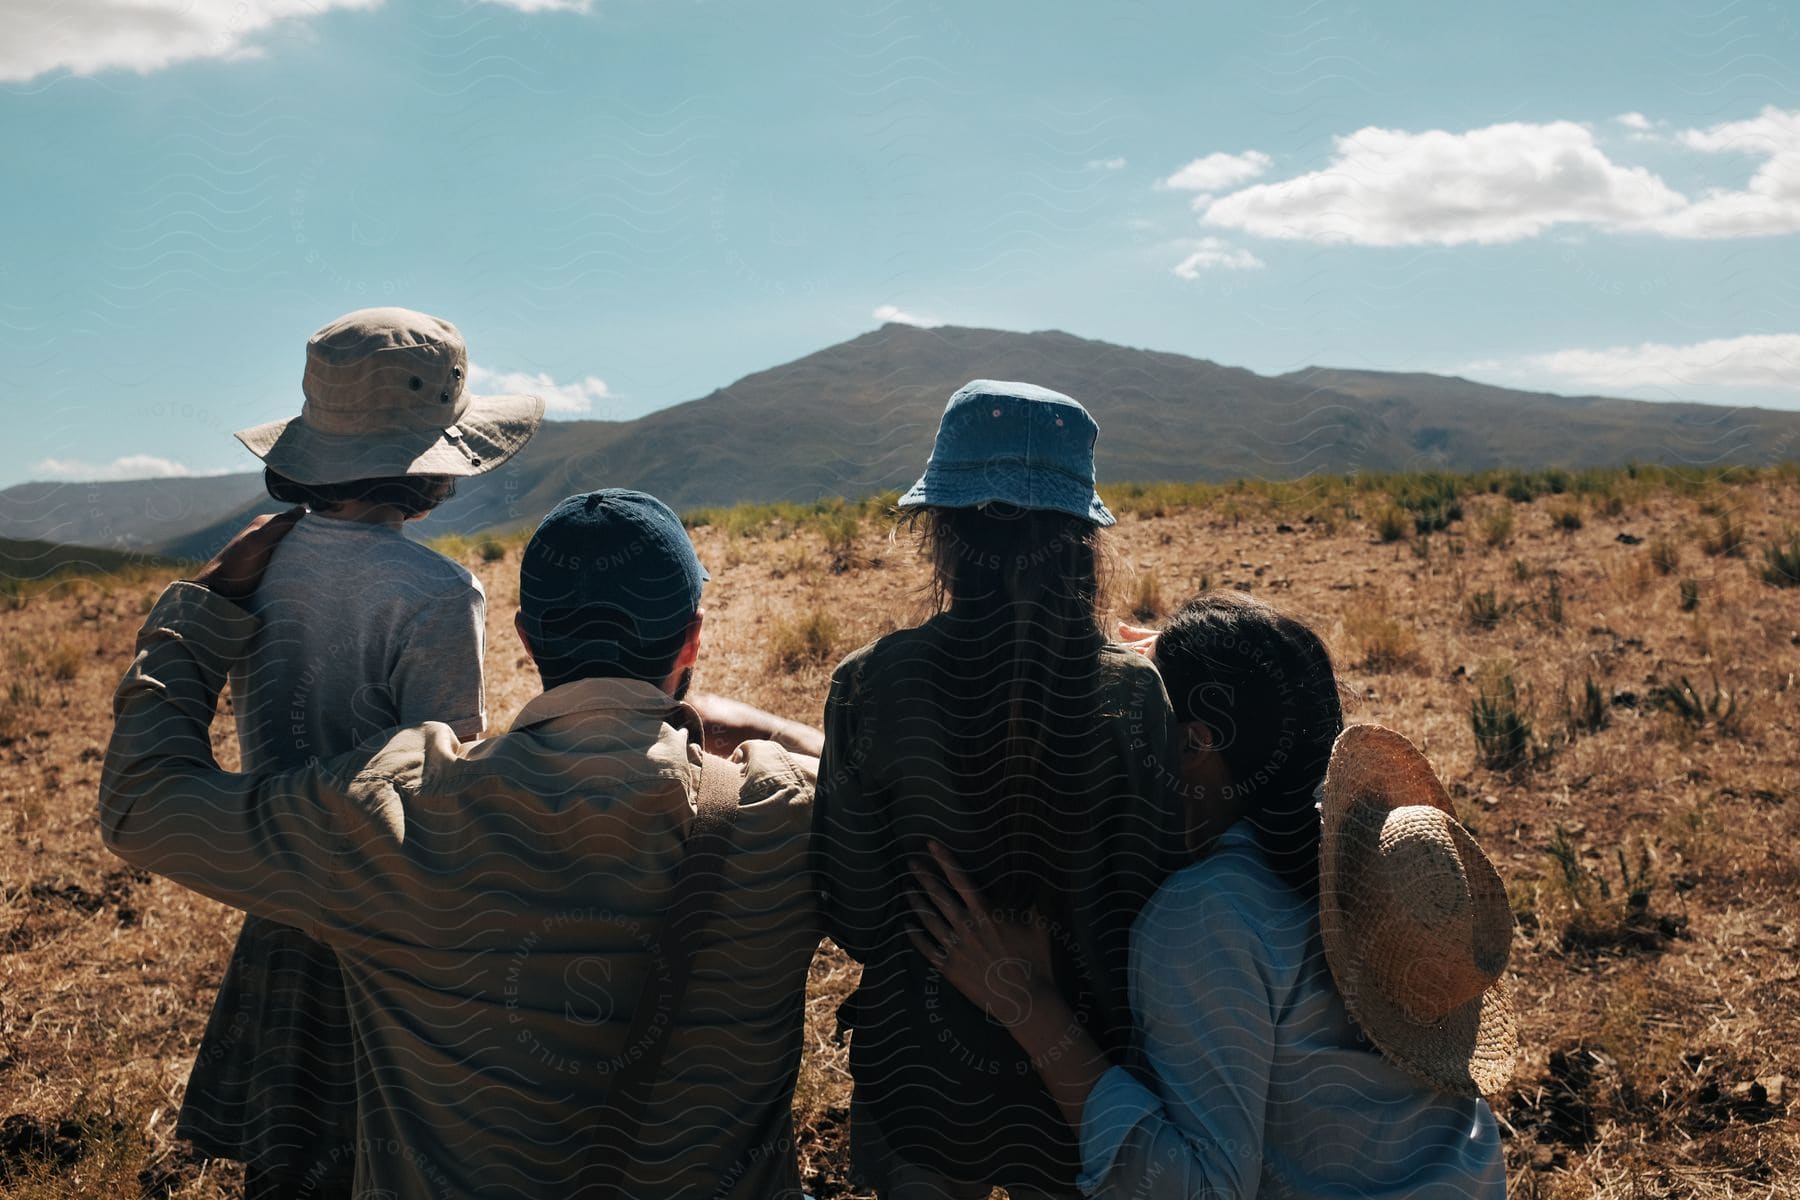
[615, 552]
[1012, 443]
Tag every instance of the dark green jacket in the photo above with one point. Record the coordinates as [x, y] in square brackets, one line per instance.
[947, 1086]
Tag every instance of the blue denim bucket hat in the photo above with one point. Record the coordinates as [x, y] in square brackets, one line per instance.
[1012, 443]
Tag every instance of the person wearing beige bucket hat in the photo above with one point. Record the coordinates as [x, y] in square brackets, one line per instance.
[1260, 1067]
[387, 395]
[360, 629]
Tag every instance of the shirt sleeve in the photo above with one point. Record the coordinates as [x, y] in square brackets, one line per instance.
[849, 830]
[263, 844]
[437, 675]
[1207, 1010]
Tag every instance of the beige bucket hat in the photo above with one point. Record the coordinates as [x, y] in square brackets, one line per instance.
[386, 394]
[1414, 918]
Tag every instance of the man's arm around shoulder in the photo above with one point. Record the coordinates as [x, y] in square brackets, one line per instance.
[264, 845]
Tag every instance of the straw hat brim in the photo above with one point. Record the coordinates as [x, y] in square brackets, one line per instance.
[493, 428]
[1471, 1051]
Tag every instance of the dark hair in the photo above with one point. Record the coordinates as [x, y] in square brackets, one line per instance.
[411, 494]
[601, 641]
[1263, 682]
[1017, 591]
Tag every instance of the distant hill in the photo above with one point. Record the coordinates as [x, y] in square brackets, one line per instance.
[121, 514]
[27, 560]
[858, 417]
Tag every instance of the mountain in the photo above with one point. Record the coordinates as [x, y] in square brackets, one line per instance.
[29, 560]
[121, 514]
[858, 417]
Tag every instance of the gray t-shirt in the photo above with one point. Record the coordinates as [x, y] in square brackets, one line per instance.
[360, 630]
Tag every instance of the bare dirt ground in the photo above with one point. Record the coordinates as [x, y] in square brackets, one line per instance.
[1648, 836]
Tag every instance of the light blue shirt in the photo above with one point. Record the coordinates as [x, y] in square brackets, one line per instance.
[1260, 1085]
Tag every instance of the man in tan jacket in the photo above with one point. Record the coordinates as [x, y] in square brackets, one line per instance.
[497, 906]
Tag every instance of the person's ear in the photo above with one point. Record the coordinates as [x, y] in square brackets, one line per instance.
[690, 645]
[519, 628]
[1198, 737]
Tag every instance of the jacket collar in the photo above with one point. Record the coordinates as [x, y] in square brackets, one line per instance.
[628, 697]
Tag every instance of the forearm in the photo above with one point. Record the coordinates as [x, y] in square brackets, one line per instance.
[1068, 1061]
[164, 803]
[163, 707]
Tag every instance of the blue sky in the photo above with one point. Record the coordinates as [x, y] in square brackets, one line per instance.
[626, 204]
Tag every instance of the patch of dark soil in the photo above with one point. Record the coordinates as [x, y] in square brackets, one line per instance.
[30, 1145]
[175, 1170]
[1583, 1086]
[1639, 931]
[824, 1152]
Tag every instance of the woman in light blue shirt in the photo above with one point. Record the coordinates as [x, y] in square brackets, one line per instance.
[1251, 1078]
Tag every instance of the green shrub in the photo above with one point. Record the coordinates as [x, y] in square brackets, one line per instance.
[1686, 702]
[1664, 556]
[1590, 714]
[812, 638]
[1519, 489]
[1781, 562]
[1497, 527]
[1381, 644]
[1147, 597]
[491, 549]
[1484, 610]
[1727, 538]
[1433, 500]
[1690, 595]
[1502, 727]
[840, 529]
[62, 660]
[1391, 524]
[1553, 598]
[1566, 518]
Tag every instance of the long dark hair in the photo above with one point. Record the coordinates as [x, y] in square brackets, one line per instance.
[1263, 682]
[411, 494]
[1017, 589]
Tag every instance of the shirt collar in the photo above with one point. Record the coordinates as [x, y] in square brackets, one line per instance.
[1239, 833]
[630, 697]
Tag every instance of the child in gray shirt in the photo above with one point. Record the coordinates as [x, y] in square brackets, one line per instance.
[360, 630]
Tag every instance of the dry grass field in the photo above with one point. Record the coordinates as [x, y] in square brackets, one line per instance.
[1596, 664]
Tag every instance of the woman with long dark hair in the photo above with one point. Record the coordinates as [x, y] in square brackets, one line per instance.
[1008, 728]
[1319, 1000]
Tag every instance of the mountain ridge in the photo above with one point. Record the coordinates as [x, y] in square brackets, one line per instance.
[858, 417]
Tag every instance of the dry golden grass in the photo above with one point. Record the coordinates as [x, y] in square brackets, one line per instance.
[1648, 839]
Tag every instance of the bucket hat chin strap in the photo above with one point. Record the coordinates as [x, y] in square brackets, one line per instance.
[698, 883]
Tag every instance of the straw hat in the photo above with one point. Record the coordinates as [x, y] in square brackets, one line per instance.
[1414, 918]
[386, 394]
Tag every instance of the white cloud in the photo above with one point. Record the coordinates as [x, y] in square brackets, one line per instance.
[126, 466]
[1767, 361]
[1509, 182]
[1770, 203]
[1502, 183]
[577, 396]
[1217, 172]
[888, 312]
[86, 36]
[1212, 254]
[1104, 164]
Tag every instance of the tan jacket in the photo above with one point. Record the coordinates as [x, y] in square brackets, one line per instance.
[490, 903]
